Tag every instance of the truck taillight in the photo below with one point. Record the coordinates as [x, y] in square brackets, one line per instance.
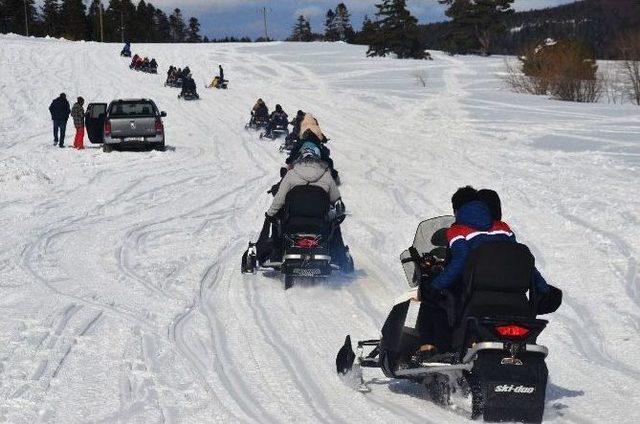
[107, 128]
[512, 331]
[159, 126]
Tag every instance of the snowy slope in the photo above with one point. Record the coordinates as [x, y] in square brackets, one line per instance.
[120, 293]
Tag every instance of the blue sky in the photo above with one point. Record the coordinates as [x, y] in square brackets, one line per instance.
[241, 17]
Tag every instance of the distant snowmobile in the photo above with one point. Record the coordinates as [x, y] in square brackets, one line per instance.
[495, 362]
[278, 130]
[257, 123]
[189, 95]
[218, 83]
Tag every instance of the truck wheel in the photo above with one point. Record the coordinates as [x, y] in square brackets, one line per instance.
[107, 148]
[161, 147]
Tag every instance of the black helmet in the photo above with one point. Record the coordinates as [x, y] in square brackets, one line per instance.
[278, 108]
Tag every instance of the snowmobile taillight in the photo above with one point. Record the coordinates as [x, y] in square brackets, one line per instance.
[107, 128]
[306, 243]
[512, 331]
[159, 126]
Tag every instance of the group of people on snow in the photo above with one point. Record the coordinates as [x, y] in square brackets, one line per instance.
[176, 75]
[60, 112]
[307, 164]
[139, 63]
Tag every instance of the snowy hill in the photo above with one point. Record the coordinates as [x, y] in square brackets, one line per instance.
[120, 289]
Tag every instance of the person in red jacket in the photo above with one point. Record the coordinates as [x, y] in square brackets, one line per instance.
[77, 113]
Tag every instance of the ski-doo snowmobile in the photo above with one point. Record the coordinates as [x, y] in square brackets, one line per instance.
[278, 130]
[308, 227]
[149, 69]
[173, 83]
[189, 95]
[495, 367]
[257, 123]
[220, 84]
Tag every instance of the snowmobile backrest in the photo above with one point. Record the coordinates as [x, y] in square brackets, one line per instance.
[500, 266]
[307, 201]
[497, 278]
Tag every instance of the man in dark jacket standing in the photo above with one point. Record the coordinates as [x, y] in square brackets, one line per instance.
[59, 115]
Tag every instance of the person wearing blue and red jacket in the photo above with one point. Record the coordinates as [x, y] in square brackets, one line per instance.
[474, 226]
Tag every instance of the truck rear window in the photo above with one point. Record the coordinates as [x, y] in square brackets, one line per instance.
[127, 109]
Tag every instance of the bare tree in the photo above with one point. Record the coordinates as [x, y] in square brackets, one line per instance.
[421, 77]
[629, 47]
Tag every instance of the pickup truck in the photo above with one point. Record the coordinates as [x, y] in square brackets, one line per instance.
[125, 123]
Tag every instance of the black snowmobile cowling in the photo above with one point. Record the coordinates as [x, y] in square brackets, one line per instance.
[307, 228]
[495, 359]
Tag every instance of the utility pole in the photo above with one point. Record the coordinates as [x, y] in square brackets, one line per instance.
[101, 25]
[26, 19]
[122, 24]
[264, 15]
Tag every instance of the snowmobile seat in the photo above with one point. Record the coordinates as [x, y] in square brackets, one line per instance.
[497, 278]
[306, 210]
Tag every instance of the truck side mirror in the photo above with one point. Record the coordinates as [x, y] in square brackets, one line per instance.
[163, 114]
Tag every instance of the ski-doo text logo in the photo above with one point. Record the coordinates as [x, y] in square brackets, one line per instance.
[510, 388]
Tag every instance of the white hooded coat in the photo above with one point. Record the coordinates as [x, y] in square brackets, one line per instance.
[314, 172]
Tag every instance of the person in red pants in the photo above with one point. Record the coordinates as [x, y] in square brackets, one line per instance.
[77, 113]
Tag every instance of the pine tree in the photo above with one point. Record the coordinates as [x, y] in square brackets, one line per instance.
[161, 27]
[93, 21]
[343, 26]
[74, 18]
[330, 33]
[119, 21]
[144, 23]
[193, 32]
[396, 32]
[50, 13]
[366, 35]
[475, 23]
[12, 16]
[178, 27]
[302, 30]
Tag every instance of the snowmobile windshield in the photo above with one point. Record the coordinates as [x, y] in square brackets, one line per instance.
[430, 238]
[139, 108]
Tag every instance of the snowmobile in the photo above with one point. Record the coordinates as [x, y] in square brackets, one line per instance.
[495, 366]
[307, 226]
[149, 69]
[257, 123]
[279, 130]
[219, 84]
[175, 83]
[189, 95]
[288, 143]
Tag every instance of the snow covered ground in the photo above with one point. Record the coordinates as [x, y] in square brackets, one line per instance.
[121, 298]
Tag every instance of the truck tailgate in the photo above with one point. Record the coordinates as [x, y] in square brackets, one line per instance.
[133, 127]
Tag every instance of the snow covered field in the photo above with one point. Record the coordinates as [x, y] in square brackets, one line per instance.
[121, 298]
